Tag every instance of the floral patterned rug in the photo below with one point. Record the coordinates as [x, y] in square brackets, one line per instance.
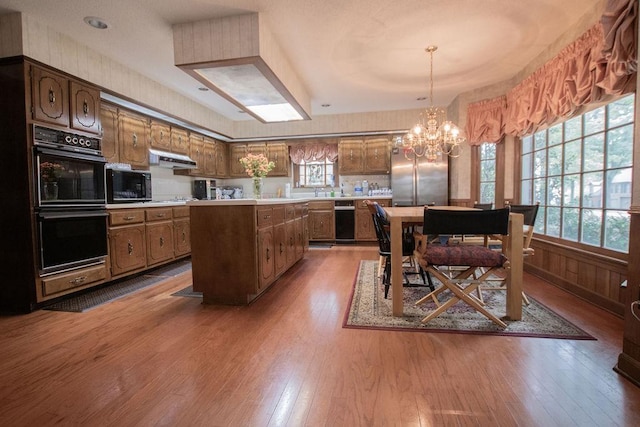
[370, 310]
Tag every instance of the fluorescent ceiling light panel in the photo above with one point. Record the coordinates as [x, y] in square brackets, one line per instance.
[238, 58]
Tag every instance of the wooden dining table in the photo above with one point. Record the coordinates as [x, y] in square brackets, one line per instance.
[511, 247]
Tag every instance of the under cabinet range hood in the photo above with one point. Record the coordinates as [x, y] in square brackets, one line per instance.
[168, 160]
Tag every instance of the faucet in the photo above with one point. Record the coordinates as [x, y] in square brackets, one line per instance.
[316, 191]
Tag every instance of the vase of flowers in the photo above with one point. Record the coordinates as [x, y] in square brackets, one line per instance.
[257, 166]
[49, 174]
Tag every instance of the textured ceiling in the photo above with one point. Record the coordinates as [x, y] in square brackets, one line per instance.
[356, 55]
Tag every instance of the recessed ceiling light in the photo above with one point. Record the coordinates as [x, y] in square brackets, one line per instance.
[422, 98]
[96, 22]
[326, 105]
[204, 89]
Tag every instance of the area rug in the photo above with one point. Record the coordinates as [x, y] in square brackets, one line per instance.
[368, 309]
[94, 298]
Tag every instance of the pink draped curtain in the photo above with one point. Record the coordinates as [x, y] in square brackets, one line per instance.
[313, 152]
[600, 64]
[485, 121]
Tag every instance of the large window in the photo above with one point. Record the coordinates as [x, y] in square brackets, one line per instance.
[315, 174]
[487, 173]
[580, 172]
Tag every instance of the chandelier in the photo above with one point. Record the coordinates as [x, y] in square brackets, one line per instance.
[433, 135]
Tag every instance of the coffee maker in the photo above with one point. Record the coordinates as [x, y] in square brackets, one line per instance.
[204, 189]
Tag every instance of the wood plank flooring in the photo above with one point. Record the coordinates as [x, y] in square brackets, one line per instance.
[153, 359]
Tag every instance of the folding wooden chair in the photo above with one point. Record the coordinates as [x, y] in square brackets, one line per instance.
[436, 259]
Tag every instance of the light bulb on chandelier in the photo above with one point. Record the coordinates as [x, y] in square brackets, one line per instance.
[433, 135]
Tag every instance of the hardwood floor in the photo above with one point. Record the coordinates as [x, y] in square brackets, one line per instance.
[154, 359]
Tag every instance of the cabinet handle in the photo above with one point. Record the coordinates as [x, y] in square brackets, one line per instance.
[128, 218]
[266, 217]
[129, 248]
[268, 256]
[376, 153]
[184, 236]
[161, 241]
[160, 215]
[52, 96]
[281, 250]
[85, 108]
[351, 154]
[78, 280]
[161, 135]
[135, 140]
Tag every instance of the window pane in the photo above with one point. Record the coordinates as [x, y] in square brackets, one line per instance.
[540, 139]
[591, 226]
[526, 192]
[618, 189]
[594, 121]
[526, 166]
[616, 230]
[573, 128]
[554, 163]
[554, 191]
[540, 163]
[553, 222]
[487, 192]
[573, 156]
[488, 170]
[488, 151]
[527, 144]
[571, 190]
[555, 134]
[540, 190]
[620, 112]
[540, 220]
[570, 223]
[594, 152]
[620, 147]
[592, 187]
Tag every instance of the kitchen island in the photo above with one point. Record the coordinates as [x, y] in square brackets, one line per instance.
[239, 247]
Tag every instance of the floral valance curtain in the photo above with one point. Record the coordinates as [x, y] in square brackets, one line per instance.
[485, 121]
[600, 64]
[313, 152]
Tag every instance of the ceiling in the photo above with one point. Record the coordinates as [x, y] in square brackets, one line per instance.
[355, 55]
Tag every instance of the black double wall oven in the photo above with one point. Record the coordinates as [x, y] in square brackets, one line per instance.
[70, 202]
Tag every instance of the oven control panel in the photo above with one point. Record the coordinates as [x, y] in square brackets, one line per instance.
[62, 139]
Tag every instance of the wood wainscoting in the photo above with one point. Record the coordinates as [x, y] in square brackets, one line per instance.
[591, 276]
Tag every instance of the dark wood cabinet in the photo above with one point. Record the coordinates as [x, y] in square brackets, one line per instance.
[236, 152]
[50, 92]
[127, 249]
[109, 125]
[321, 220]
[350, 156]
[278, 153]
[133, 137]
[85, 108]
[222, 159]
[160, 135]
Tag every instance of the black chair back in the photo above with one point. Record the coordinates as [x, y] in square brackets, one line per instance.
[441, 221]
[530, 212]
[483, 206]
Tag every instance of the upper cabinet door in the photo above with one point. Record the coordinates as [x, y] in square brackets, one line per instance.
[133, 133]
[236, 152]
[222, 160]
[160, 136]
[278, 153]
[179, 141]
[350, 157]
[109, 125]
[377, 156]
[85, 107]
[50, 93]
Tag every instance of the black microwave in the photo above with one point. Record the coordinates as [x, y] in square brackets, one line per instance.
[128, 186]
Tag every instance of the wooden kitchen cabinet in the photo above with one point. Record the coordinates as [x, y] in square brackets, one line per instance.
[85, 108]
[160, 135]
[321, 220]
[181, 231]
[236, 152]
[362, 156]
[159, 235]
[109, 130]
[377, 156]
[278, 153]
[222, 159]
[196, 152]
[133, 137]
[238, 250]
[351, 156]
[74, 280]
[179, 140]
[50, 93]
[127, 249]
[209, 157]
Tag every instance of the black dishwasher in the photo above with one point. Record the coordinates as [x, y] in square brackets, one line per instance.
[345, 221]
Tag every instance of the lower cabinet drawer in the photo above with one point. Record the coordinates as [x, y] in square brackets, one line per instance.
[86, 276]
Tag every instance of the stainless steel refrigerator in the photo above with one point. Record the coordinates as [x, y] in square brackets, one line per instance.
[416, 181]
